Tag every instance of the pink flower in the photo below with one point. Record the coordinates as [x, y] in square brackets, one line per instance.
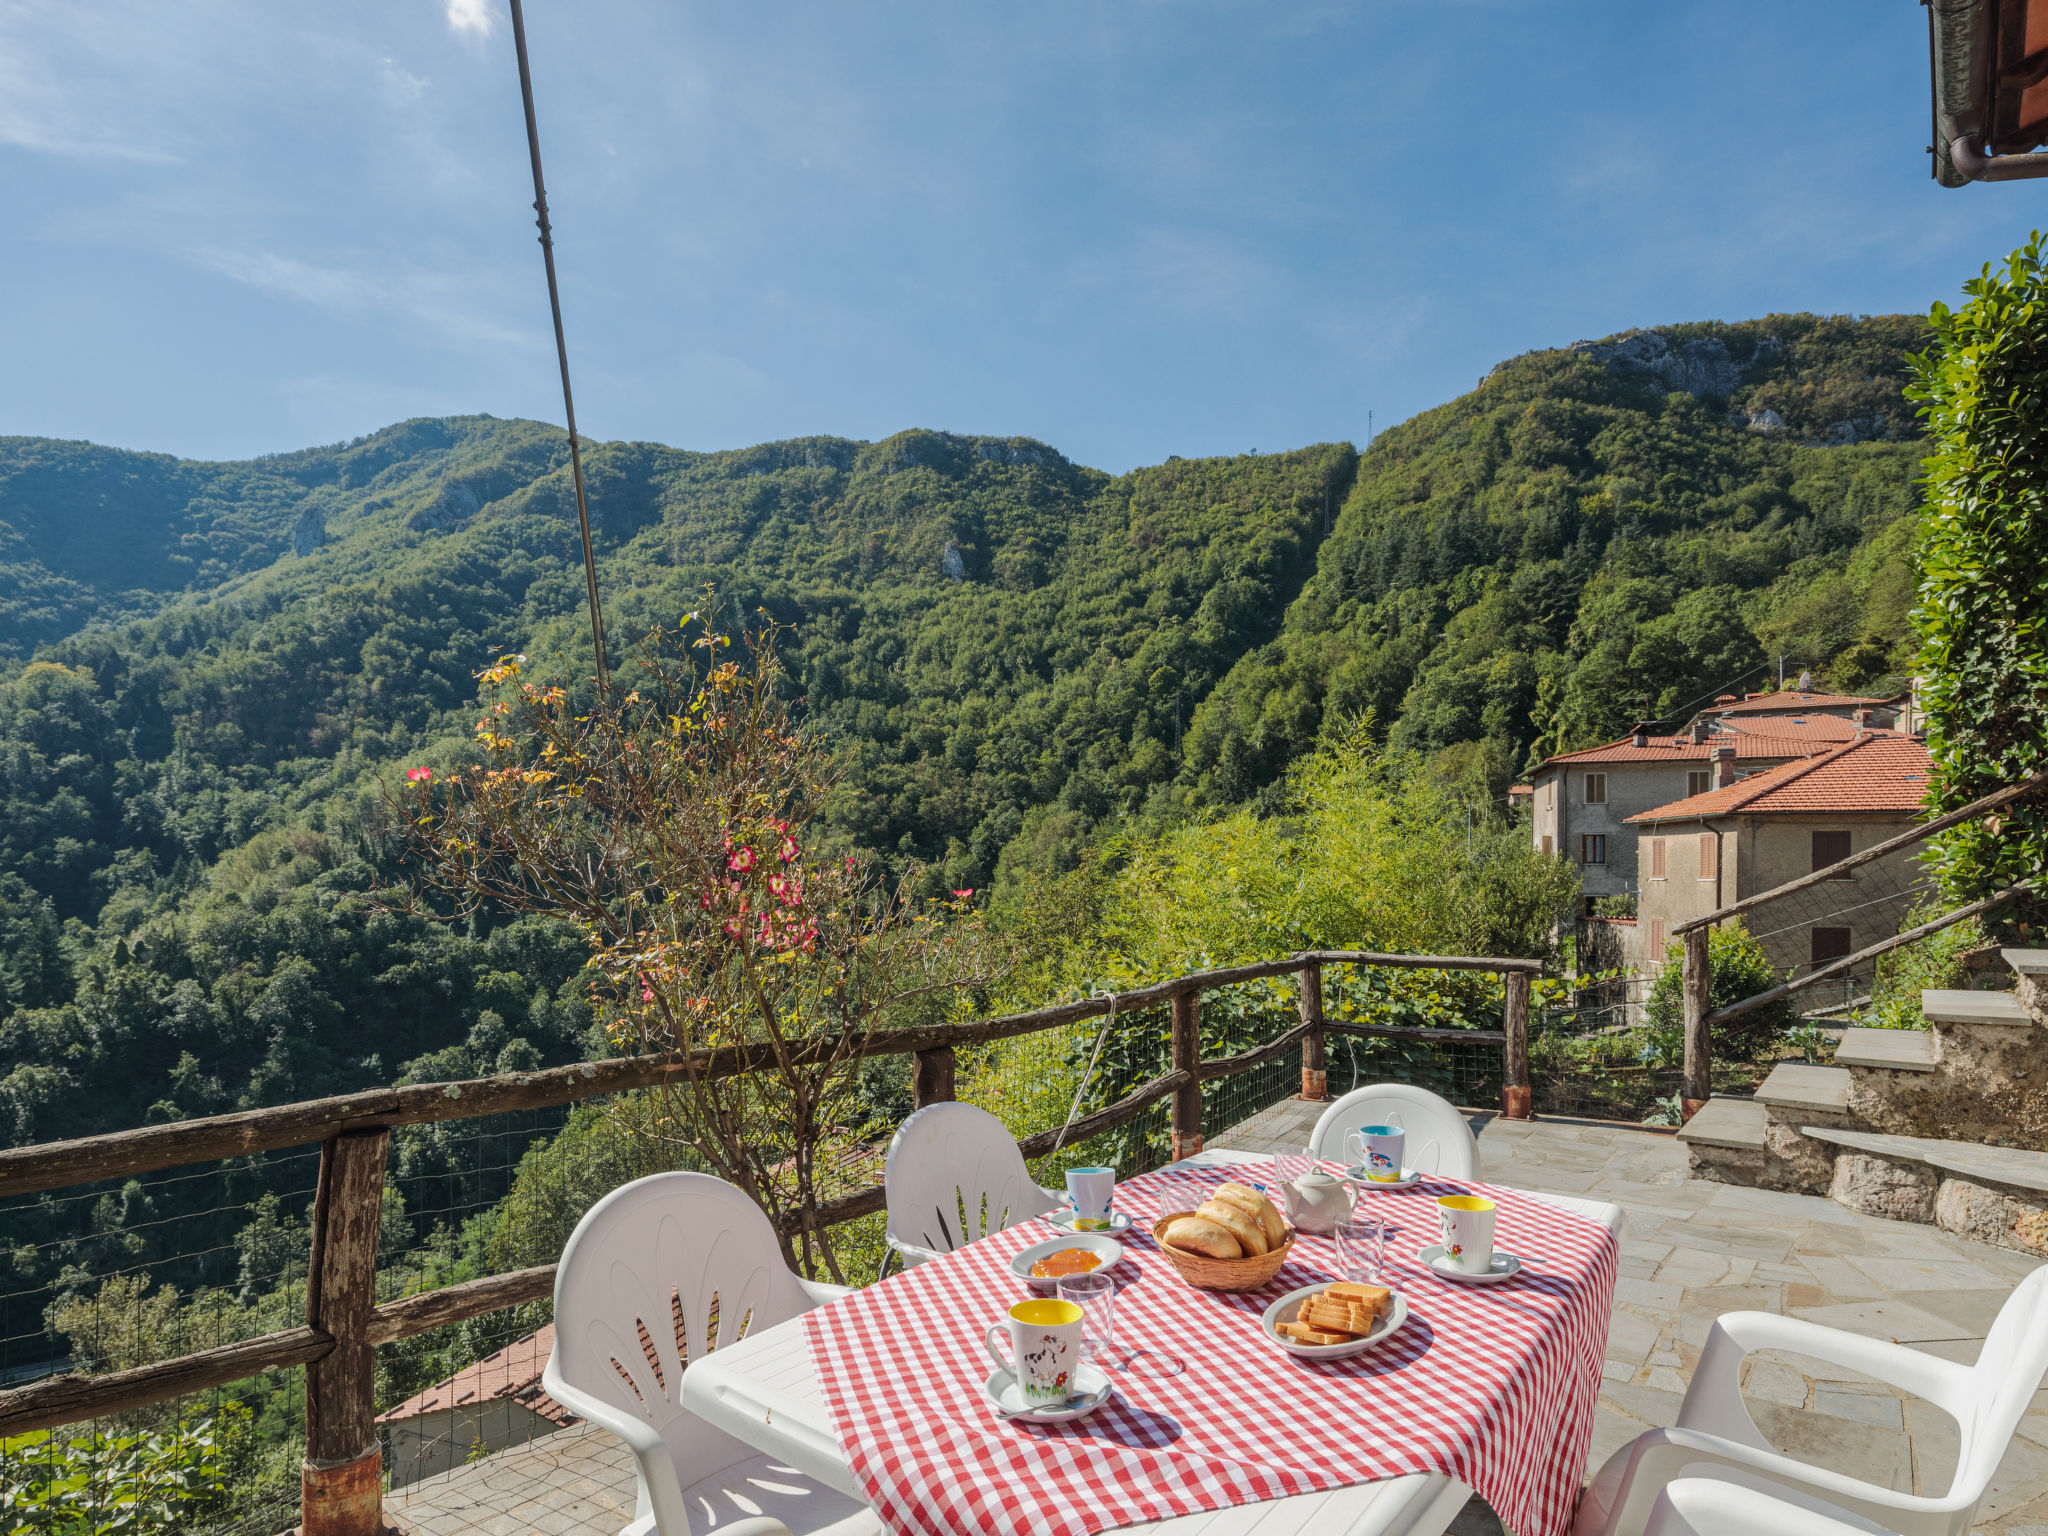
[419, 775]
[704, 901]
[963, 895]
[789, 849]
[741, 861]
[646, 993]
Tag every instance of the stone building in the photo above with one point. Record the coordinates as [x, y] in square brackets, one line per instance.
[495, 1404]
[1584, 802]
[1747, 835]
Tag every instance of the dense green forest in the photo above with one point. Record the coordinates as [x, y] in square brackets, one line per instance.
[211, 672]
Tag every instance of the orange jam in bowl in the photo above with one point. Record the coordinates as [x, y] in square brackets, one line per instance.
[1068, 1261]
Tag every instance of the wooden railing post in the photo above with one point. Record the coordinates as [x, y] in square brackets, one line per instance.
[931, 1080]
[1699, 1048]
[1315, 1061]
[1514, 1068]
[1187, 1057]
[341, 1481]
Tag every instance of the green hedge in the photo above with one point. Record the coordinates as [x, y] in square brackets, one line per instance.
[1983, 559]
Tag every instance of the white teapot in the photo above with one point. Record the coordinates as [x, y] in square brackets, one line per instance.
[1316, 1201]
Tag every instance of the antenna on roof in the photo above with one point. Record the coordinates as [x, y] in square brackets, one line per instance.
[547, 250]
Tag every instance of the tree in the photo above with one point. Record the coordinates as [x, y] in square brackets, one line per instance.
[1740, 969]
[673, 829]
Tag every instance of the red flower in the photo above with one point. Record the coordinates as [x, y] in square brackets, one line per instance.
[741, 861]
[789, 849]
[419, 775]
[963, 895]
[646, 993]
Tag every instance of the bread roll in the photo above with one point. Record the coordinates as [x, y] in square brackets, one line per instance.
[1242, 1224]
[1259, 1207]
[1197, 1234]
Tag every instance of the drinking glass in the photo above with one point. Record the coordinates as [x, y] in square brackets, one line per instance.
[1362, 1247]
[1095, 1295]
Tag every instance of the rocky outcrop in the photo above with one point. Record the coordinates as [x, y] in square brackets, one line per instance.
[951, 563]
[1701, 366]
[456, 503]
[310, 532]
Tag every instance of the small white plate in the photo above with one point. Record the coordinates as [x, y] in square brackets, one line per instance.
[1288, 1307]
[1505, 1267]
[1119, 1224]
[1092, 1388]
[1107, 1249]
[1356, 1174]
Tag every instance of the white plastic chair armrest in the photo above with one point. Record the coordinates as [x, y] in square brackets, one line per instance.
[758, 1525]
[662, 1494]
[912, 1254]
[820, 1292]
[1702, 1506]
[1713, 1402]
[1661, 1456]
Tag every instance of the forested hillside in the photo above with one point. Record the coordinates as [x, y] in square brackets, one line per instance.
[217, 665]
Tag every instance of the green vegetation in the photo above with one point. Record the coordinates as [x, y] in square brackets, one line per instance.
[1983, 554]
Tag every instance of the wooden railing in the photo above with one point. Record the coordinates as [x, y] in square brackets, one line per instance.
[341, 1481]
[1701, 1016]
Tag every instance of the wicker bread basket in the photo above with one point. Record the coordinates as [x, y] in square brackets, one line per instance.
[1221, 1274]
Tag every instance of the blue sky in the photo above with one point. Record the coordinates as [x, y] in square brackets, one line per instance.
[1130, 229]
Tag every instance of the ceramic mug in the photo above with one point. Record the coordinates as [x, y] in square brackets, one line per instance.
[1045, 1346]
[1381, 1149]
[1467, 1225]
[1090, 1190]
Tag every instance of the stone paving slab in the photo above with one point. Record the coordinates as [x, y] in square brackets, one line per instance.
[1816, 1090]
[1693, 1250]
[1897, 1050]
[1945, 1006]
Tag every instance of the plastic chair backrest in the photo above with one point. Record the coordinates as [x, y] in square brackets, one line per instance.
[953, 1175]
[659, 1272]
[1439, 1139]
[2008, 1372]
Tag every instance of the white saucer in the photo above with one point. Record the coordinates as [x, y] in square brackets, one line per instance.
[1119, 1224]
[1107, 1249]
[1356, 1175]
[1288, 1307]
[1505, 1267]
[1092, 1389]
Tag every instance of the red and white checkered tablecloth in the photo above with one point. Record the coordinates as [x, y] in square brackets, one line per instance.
[1494, 1386]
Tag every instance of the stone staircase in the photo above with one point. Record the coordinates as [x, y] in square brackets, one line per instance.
[1948, 1125]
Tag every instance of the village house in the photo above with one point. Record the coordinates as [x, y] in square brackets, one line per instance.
[1706, 850]
[1583, 801]
[493, 1405]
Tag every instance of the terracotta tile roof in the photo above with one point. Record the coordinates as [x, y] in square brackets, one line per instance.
[1752, 739]
[1882, 772]
[1760, 703]
[513, 1372]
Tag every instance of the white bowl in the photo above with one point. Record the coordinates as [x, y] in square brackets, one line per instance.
[1107, 1249]
[1288, 1307]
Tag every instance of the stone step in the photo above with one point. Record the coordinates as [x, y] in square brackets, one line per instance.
[2028, 962]
[1733, 1123]
[1897, 1050]
[1793, 1088]
[1947, 1007]
[1997, 1165]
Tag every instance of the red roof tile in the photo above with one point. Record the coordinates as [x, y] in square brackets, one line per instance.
[1759, 703]
[1752, 739]
[513, 1372]
[1882, 772]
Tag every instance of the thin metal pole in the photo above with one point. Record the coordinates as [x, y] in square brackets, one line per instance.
[547, 250]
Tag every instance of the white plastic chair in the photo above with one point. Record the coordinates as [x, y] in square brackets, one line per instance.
[1699, 1506]
[1439, 1139]
[954, 1174]
[1715, 1436]
[652, 1272]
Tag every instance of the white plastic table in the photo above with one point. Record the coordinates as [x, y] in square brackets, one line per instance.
[763, 1391]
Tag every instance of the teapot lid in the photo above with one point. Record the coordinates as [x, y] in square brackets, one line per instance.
[1319, 1176]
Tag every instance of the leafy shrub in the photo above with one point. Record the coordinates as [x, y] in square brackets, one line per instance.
[1740, 969]
[130, 1484]
[1983, 558]
[1935, 961]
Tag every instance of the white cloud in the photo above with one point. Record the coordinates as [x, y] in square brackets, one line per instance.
[443, 303]
[477, 18]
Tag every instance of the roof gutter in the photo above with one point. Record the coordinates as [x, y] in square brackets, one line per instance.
[1962, 62]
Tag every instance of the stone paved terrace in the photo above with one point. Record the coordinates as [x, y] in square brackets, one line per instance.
[1693, 1250]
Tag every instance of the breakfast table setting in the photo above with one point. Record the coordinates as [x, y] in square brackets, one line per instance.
[1227, 1341]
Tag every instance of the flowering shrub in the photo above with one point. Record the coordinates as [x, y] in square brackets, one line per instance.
[676, 828]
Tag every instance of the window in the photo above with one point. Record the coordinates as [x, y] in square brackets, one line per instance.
[1656, 858]
[1829, 944]
[1710, 856]
[1698, 782]
[1596, 789]
[1546, 845]
[1593, 848]
[1656, 939]
[1830, 848]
